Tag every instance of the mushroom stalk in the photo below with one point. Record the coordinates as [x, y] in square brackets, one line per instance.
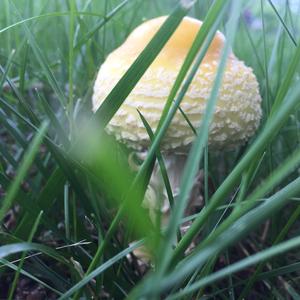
[156, 197]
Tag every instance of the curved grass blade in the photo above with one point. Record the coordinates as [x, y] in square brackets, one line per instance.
[99, 270]
[293, 218]
[199, 48]
[163, 169]
[275, 178]
[160, 161]
[267, 134]
[234, 233]
[100, 24]
[46, 15]
[238, 266]
[27, 274]
[21, 247]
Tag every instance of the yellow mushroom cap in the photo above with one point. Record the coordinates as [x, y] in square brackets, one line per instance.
[238, 109]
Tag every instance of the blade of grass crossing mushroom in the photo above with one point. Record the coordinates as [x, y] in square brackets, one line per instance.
[213, 17]
[122, 89]
[22, 170]
[20, 266]
[214, 13]
[175, 105]
[194, 158]
[196, 152]
[187, 120]
[162, 169]
[160, 160]
[269, 131]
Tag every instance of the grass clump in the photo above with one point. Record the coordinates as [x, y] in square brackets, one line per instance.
[70, 206]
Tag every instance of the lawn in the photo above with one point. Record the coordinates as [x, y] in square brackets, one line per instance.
[83, 205]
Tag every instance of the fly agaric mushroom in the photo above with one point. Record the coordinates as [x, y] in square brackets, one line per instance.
[237, 112]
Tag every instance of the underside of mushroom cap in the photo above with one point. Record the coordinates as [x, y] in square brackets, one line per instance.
[238, 110]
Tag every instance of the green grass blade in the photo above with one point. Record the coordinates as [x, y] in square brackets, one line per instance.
[196, 152]
[70, 106]
[100, 24]
[21, 247]
[122, 89]
[209, 25]
[238, 266]
[22, 170]
[6, 263]
[238, 230]
[275, 178]
[283, 23]
[20, 266]
[160, 161]
[162, 169]
[42, 60]
[99, 270]
[59, 130]
[203, 39]
[267, 134]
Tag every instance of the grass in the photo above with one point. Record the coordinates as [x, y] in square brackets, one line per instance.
[69, 212]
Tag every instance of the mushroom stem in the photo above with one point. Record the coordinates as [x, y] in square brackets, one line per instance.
[156, 197]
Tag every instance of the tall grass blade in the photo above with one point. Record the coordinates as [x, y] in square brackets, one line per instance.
[22, 170]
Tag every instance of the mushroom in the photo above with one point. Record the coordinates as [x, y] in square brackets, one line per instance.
[237, 112]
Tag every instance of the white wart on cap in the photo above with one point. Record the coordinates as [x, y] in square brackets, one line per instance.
[237, 112]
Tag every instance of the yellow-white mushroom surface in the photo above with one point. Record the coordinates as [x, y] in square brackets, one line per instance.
[238, 109]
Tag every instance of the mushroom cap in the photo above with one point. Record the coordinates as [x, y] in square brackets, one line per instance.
[238, 109]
